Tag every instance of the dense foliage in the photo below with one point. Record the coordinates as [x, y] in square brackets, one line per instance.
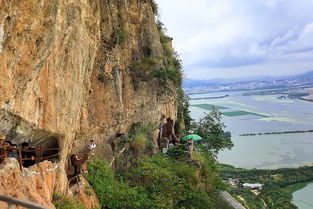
[278, 185]
[113, 193]
[66, 203]
[158, 182]
[183, 122]
[210, 128]
[172, 64]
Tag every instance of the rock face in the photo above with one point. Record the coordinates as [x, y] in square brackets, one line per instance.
[65, 72]
[35, 184]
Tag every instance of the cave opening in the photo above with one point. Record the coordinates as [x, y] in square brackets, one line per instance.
[17, 130]
[48, 149]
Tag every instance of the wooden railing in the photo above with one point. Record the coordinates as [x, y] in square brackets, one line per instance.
[14, 201]
[77, 181]
[40, 157]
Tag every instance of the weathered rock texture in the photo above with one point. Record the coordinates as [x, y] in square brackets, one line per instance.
[35, 184]
[65, 71]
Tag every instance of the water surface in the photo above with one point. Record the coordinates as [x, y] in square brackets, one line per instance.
[263, 151]
[303, 198]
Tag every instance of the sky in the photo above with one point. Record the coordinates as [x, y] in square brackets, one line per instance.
[240, 38]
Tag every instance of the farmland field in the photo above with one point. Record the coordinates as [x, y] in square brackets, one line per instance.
[240, 113]
[209, 106]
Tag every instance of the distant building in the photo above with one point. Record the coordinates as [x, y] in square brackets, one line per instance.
[252, 186]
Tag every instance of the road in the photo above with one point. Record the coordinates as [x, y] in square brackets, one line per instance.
[232, 201]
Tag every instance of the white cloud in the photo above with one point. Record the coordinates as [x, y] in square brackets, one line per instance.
[304, 42]
[227, 34]
[272, 3]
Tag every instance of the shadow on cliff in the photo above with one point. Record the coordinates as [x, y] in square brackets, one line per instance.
[17, 130]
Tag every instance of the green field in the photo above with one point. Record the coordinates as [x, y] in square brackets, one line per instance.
[210, 107]
[240, 113]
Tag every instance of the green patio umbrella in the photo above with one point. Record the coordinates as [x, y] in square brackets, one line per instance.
[194, 137]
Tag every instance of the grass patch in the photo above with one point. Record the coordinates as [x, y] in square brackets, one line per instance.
[138, 143]
[210, 107]
[240, 113]
[141, 71]
[67, 203]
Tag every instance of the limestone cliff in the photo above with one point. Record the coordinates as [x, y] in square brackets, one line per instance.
[35, 184]
[68, 72]
[38, 184]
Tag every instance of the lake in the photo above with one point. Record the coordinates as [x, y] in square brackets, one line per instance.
[261, 114]
[303, 198]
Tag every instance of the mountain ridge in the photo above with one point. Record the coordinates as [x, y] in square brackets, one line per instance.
[191, 83]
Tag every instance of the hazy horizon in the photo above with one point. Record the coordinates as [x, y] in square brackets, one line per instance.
[242, 78]
[240, 38]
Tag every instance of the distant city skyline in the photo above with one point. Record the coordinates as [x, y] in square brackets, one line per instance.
[240, 38]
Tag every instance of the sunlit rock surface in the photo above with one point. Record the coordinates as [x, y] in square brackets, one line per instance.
[65, 73]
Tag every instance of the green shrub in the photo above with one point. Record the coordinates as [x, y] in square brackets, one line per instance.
[187, 172]
[156, 182]
[161, 75]
[118, 36]
[175, 73]
[67, 203]
[154, 174]
[140, 139]
[183, 114]
[174, 184]
[88, 191]
[113, 193]
[197, 199]
[56, 195]
[138, 127]
[209, 175]
[122, 35]
[154, 7]
[171, 61]
[178, 152]
[167, 48]
[138, 143]
[141, 70]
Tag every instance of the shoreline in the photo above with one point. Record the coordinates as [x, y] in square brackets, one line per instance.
[277, 133]
[275, 182]
[307, 100]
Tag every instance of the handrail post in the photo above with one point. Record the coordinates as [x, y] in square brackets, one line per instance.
[40, 153]
[20, 159]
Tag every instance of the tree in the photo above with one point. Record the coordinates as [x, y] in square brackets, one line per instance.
[210, 128]
[184, 120]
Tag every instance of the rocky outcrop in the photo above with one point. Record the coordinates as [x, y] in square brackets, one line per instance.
[35, 184]
[65, 71]
[40, 184]
[69, 73]
[83, 193]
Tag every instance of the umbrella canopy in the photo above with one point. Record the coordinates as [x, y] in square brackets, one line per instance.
[193, 137]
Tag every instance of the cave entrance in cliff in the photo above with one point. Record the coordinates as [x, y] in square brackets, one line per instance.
[49, 149]
[18, 130]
